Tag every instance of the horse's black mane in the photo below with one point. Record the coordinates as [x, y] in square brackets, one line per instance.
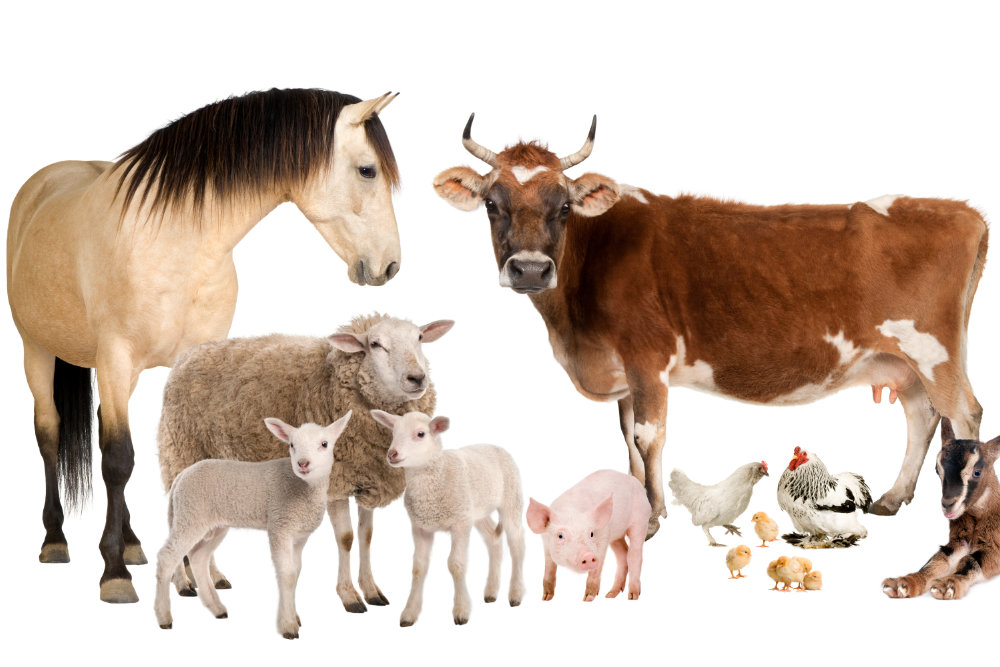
[242, 145]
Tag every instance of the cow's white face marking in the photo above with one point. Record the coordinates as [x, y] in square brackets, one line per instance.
[633, 192]
[526, 256]
[848, 352]
[645, 433]
[923, 348]
[882, 204]
[698, 375]
[523, 174]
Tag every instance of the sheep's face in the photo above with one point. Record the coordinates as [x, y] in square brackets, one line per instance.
[415, 438]
[393, 352]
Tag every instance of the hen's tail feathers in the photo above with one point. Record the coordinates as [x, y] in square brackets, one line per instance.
[681, 486]
[804, 541]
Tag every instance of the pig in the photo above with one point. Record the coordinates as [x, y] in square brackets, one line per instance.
[601, 510]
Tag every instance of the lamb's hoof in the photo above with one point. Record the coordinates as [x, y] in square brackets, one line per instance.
[652, 526]
[404, 623]
[187, 592]
[118, 591]
[224, 614]
[377, 600]
[290, 635]
[461, 620]
[223, 585]
[356, 607]
[885, 506]
[490, 598]
[515, 603]
[133, 555]
[56, 552]
[166, 626]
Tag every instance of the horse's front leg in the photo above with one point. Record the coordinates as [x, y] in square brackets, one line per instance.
[649, 417]
[115, 379]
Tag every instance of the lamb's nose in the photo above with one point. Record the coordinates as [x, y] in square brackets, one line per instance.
[393, 455]
[303, 464]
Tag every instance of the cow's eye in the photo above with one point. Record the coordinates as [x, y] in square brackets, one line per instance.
[491, 206]
[565, 208]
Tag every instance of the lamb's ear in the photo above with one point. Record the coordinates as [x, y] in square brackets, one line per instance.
[348, 342]
[602, 513]
[385, 419]
[592, 194]
[280, 429]
[947, 433]
[461, 187]
[431, 332]
[336, 429]
[538, 516]
[440, 425]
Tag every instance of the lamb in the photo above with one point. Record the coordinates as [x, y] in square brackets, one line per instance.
[453, 490]
[216, 390]
[286, 497]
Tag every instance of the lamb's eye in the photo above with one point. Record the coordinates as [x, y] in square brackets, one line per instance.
[367, 172]
[420, 434]
[323, 444]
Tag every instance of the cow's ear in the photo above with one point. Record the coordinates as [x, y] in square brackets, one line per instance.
[461, 187]
[592, 194]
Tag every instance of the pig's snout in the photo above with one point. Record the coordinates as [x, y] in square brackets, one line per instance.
[586, 561]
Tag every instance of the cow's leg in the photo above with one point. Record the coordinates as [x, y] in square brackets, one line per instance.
[627, 420]
[649, 418]
[921, 420]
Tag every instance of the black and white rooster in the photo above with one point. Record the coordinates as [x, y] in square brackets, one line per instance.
[823, 507]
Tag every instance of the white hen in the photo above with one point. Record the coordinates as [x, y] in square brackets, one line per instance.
[718, 504]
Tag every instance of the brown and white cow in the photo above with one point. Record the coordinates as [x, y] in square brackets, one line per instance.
[773, 305]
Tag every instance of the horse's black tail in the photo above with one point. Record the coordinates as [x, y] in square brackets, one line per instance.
[74, 398]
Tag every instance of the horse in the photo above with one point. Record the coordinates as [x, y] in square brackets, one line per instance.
[122, 266]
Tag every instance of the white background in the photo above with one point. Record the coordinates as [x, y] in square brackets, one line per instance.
[761, 102]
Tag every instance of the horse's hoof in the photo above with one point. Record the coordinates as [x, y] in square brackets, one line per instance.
[118, 591]
[54, 553]
[223, 585]
[133, 555]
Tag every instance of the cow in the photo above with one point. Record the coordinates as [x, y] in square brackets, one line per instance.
[774, 305]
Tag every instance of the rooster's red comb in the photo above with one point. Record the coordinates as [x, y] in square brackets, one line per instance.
[797, 450]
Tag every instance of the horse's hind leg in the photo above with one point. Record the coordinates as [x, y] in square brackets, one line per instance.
[39, 367]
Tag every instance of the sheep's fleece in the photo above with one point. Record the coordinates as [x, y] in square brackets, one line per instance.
[219, 393]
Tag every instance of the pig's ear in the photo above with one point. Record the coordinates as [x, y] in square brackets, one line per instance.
[602, 514]
[539, 516]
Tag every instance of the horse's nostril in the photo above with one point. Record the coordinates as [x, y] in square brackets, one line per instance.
[391, 270]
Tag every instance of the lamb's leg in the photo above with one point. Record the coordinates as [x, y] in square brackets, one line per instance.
[168, 559]
[219, 579]
[422, 542]
[921, 420]
[340, 518]
[283, 556]
[199, 556]
[515, 544]
[373, 595]
[494, 547]
[940, 564]
[457, 565]
[183, 581]
[620, 549]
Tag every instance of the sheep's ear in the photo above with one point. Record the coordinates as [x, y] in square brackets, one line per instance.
[461, 187]
[538, 516]
[439, 425]
[602, 513]
[384, 418]
[947, 432]
[350, 343]
[280, 429]
[431, 332]
[336, 429]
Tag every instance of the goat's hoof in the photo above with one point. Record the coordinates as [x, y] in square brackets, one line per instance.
[134, 555]
[377, 600]
[187, 592]
[356, 607]
[118, 591]
[223, 585]
[57, 552]
[461, 620]
[224, 614]
[290, 635]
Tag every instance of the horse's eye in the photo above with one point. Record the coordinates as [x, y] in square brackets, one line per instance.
[367, 172]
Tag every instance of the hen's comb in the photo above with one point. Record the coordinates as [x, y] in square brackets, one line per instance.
[764, 463]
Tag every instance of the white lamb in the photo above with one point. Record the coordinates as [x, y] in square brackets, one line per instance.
[286, 497]
[454, 490]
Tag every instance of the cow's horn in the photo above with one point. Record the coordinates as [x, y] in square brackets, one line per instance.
[581, 155]
[481, 152]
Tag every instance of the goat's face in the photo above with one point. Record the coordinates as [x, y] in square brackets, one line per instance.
[965, 468]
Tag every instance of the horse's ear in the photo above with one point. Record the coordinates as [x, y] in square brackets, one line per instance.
[361, 111]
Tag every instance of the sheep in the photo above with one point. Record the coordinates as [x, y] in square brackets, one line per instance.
[214, 391]
[286, 497]
[454, 490]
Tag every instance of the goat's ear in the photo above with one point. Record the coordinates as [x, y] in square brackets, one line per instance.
[350, 343]
[947, 433]
[991, 449]
[461, 187]
[602, 513]
[439, 425]
[592, 194]
[431, 332]
[336, 429]
[280, 429]
[538, 516]
[384, 418]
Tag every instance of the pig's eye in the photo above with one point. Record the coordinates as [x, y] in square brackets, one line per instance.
[591, 533]
[559, 535]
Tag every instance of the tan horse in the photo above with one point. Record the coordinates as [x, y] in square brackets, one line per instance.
[122, 266]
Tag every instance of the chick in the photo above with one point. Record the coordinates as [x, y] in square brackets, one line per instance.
[806, 563]
[737, 559]
[789, 571]
[765, 527]
[813, 581]
[772, 571]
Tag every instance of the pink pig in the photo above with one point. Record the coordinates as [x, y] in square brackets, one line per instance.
[602, 509]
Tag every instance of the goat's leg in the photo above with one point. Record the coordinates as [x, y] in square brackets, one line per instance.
[494, 547]
[366, 581]
[283, 556]
[422, 542]
[340, 517]
[457, 565]
[940, 564]
[980, 565]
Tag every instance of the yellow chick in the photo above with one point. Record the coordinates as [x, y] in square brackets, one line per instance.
[737, 559]
[772, 571]
[806, 563]
[789, 571]
[813, 581]
[765, 527]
